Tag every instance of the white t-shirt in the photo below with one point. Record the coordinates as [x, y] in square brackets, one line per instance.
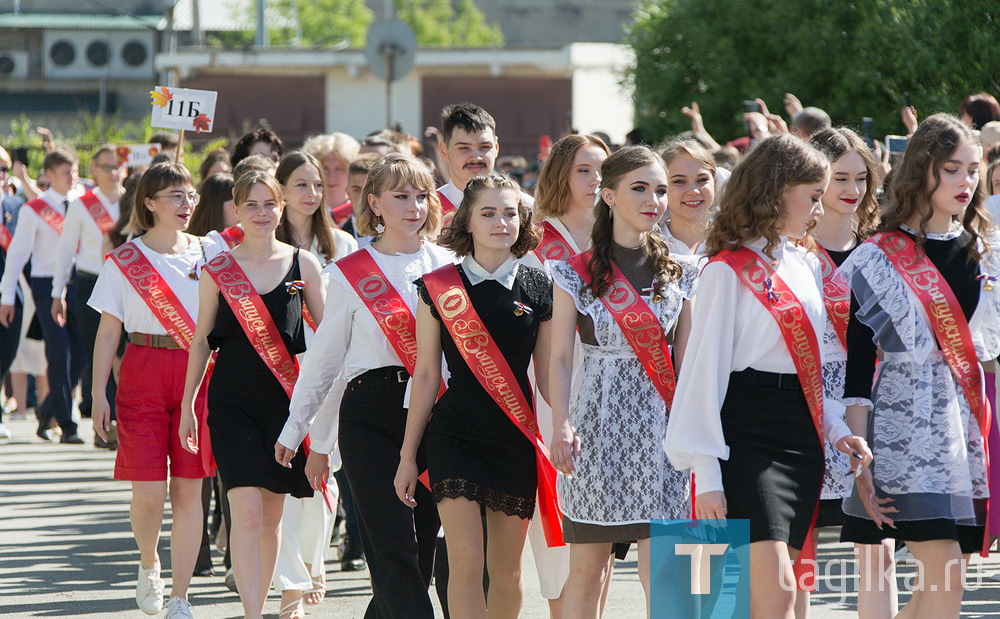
[115, 295]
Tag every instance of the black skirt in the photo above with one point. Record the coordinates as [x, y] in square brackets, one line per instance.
[864, 531]
[774, 474]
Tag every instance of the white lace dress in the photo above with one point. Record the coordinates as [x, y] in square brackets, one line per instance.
[622, 475]
[928, 448]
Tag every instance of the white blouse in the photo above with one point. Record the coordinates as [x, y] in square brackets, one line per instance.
[349, 341]
[679, 247]
[115, 295]
[33, 240]
[731, 331]
[81, 238]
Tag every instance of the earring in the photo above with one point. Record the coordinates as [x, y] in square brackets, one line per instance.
[380, 224]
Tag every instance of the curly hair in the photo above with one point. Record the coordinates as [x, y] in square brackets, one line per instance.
[394, 171]
[835, 143]
[552, 196]
[457, 237]
[752, 205]
[934, 141]
[613, 171]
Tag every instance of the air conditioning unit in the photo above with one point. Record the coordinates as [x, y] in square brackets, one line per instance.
[13, 64]
[82, 54]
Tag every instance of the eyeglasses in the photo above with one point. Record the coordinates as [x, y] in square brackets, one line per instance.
[105, 167]
[179, 198]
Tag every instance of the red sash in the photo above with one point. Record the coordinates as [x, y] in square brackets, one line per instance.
[342, 213]
[48, 214]
[386, 306]
[155, 292]
[168, 311]
[553, 245]
[446, 205]
[803, 345]
[836, 295]
[96, 209]
[951, 329]
[640, 326]
[483, 356]
[233, 236]
[5, 237]
[250, 311]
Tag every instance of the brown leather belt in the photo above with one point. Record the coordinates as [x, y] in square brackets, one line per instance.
[153, 341]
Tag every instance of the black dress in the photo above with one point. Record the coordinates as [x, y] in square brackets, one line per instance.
[247, 406]
[473, 450]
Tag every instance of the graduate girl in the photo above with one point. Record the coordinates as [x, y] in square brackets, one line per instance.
[850, 214]
[749, 416]
[926, 297]
[149, 286]
[369, 339]
[251, 312]
[690, 196]
[479, 457]
[609, 435]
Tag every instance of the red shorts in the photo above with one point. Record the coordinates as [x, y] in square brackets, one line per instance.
[150, 388]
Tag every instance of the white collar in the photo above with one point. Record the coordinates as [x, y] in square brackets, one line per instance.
[760, 243]
[54, 198]
[504, 275]
[954, 233]
[453, 193]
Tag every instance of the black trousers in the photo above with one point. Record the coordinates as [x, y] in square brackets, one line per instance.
[10, 336]
[399, 542]
[88, 320]
[62, 353]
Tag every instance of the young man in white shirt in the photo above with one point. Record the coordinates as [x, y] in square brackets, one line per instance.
[37, 235]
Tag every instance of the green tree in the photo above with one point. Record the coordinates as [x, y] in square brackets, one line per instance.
[322, 22]
[852, 59]
[444, 23]
[316, 23]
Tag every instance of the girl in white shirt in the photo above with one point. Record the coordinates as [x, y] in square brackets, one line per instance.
[740, 417]
[402, 209]
[307, 524]
[152, 378]
[690, 196]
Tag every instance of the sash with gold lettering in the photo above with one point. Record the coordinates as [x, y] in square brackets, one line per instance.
[485, 360]
[803, 345]
[553, 246]
[168, 310]
[155, 293]
[97, 211]
[249, 309]
[836, 295]
[951, 329]
[233, 236]
[642, 329]
[48, 214]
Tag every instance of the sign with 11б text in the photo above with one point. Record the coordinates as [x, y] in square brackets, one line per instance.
[183, 109]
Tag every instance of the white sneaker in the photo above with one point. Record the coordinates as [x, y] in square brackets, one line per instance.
[903, 556]
[149, 591]
[4, 432]
[178, 608]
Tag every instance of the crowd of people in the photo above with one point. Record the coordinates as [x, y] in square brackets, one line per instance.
[439, 355]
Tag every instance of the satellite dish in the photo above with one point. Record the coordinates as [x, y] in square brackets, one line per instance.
[389, 49]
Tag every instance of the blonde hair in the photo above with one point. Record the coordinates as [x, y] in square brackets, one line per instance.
[394, 171]
[552, 193]
[241, 190]
[340, 144]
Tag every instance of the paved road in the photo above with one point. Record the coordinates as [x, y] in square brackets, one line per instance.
[66, 550]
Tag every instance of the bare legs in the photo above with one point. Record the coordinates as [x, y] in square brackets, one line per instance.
[256, 516]
[464, 531]
[146, 515]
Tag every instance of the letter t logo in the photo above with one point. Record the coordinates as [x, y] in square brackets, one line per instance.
[701, 582]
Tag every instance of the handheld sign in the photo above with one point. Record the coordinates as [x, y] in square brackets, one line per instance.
[134, 155]
[183, 109]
